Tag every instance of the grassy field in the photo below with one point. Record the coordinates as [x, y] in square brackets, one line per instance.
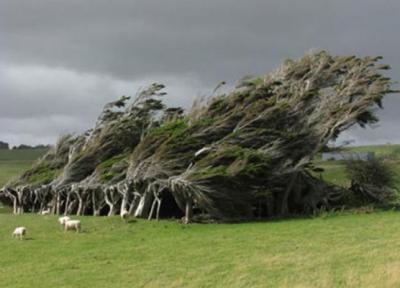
[14, 162]
[350, 250]
[343, 250]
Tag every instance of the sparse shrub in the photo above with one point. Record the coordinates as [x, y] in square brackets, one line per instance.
[372, 181]
[371, 172]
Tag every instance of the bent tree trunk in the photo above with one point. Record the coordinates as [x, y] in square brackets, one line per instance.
[111, 197]
[67, 201]
[134, 203]
[14, 201]
[80, 205]
[285, 206]
[20, 195]
[58, 203]
[142, 211]
[156, 202]
[188, 211]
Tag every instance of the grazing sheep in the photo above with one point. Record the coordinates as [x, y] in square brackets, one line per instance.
[64, 219]
[125, 214]
[72, 225]
[45, 212]
[19, 232]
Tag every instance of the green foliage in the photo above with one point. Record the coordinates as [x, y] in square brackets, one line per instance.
[218, 105]
[373, 172]
[172, 128]
[203, 122]
[233, 161]
[113, 167]
[107, 164]
[42, 175]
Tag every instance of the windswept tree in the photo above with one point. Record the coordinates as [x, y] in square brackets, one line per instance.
[240, 155]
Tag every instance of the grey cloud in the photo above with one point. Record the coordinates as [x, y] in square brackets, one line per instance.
[214, 39]
[69, 57]
[42, 103]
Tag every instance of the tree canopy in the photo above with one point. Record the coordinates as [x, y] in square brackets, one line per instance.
[240, 155]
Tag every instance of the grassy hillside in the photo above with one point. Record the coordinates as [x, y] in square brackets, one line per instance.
[14, 162]
[360, 250]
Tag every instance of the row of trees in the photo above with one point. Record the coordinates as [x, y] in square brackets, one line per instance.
[80, 200]
[237, 156]
[6, 146]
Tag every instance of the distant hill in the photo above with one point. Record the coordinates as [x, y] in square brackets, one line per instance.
[14, 162]
[4, 145]
[27, 147]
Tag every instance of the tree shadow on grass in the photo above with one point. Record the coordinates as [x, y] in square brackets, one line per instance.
[131, 221]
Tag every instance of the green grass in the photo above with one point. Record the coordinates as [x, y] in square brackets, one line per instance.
[14, 162]
[359, 250]
[348, 250]
[21, 155]
[388, 150]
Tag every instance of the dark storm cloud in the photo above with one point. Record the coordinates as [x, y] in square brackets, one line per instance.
[66, 58]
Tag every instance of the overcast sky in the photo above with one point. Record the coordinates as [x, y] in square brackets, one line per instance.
[60, 61]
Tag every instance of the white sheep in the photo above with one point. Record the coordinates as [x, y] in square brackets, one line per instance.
[124, 214]
[45, 212]
[19, 232]
[72, 225]
[63, 219]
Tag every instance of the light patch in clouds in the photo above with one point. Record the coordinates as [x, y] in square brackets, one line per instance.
[41, 103]
[36, 131]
